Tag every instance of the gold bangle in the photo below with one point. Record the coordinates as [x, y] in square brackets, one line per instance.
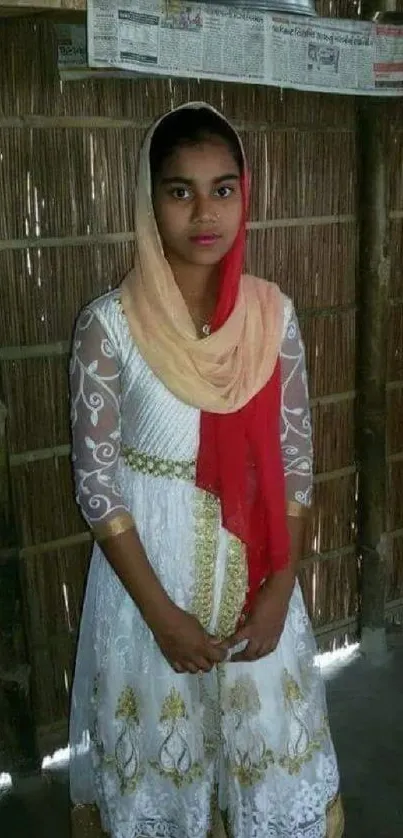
[297, 510]
[115, 526]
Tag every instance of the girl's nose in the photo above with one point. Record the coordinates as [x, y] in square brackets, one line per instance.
[204, 209]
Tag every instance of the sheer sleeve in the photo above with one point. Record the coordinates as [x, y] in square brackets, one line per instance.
[95, 424]
[296, 428]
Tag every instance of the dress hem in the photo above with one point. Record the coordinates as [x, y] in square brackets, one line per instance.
[86, 822]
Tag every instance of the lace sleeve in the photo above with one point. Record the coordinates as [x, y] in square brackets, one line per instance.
[296, 429]
[95, 424]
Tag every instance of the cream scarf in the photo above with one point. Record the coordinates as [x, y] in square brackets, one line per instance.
[217, 374]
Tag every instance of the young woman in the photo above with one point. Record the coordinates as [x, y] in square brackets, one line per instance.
[195, 683]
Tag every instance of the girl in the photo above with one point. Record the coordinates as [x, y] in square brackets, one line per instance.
[195, 683]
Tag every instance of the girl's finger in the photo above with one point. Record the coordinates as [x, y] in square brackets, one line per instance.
[204, 665]
[192, 667]
[247, 655]
[178, 668]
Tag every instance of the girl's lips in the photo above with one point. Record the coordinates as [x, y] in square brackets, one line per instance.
[205, 239]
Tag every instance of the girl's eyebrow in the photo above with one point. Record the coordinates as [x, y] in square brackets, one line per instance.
[189, 182]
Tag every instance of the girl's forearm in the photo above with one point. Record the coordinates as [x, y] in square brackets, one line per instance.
[283, 580]
[127, 556]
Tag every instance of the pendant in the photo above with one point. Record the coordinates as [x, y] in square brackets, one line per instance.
[206, 330]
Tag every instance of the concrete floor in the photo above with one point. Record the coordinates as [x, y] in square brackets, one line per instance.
[366, 714]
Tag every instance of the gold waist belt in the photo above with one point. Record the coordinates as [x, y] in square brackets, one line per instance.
[159, 467]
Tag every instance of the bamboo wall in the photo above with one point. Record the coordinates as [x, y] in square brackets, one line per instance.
[67, 167]
[394, 128]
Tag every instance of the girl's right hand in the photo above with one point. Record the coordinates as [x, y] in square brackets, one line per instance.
[184, 643]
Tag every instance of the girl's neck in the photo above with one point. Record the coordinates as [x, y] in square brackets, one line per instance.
[198, 285]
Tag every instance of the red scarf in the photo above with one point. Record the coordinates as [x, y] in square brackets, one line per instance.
[240, 459]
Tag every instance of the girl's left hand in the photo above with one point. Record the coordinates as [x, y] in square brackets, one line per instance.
[264, 625]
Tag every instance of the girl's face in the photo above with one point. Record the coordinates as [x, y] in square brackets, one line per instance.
[198, 203]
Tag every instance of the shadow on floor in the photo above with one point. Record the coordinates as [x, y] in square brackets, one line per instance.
[366, 716]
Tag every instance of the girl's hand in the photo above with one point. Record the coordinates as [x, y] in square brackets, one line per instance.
[264, 625]
[184, 643]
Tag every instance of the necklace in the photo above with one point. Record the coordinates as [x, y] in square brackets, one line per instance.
[206, 329]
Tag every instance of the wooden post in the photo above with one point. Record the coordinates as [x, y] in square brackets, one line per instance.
[372, 335]
[18, 753]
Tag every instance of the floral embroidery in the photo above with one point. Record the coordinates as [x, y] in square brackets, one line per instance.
[175, 761]
[302, 744]
[127, 753]
[174, 707]
[126, 757]
[248, 755]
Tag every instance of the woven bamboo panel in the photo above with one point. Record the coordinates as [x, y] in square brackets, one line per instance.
[396, 254]
[53, 585]
[334, 596]
[28, 387]
[68, 168]
[44, 501]
[395, 577]
[333, 426]
[45, 288]
[315, 264]
[395, 421]
[395, 494]
[395, 357]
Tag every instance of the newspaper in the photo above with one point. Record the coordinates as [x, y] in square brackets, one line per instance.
[224, 43]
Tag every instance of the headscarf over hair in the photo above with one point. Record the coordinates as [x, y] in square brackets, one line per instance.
[232, 376]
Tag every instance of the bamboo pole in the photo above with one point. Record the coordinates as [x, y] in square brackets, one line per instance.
[18, 745]
[372, 333]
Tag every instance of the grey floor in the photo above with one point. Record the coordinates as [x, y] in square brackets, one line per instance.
[366, 714]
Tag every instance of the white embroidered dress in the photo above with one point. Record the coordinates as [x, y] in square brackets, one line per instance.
[150, 747]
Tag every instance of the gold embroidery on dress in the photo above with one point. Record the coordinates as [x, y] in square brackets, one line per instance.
[302, 746]
[86, 822]
[126, 757]
[158, 466]
[335, 818]
[249, 756]
[234, 589]
[175, 760]
[207, 523]
[127, 754]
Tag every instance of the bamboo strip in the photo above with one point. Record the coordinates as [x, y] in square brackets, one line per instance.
[394, 604]
[39, 454]
[394, 385]
[14, 554]
[45, 350]
[333, 398]
[116, 238]
[326, 476]
[51, 350]
[56, 544]
[66, 241]
[337, 626]
[60, 451]
[328, 555]
[395, 458]
[303, 221]
[91, 123]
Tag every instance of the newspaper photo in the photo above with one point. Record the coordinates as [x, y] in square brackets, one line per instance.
[224, 43]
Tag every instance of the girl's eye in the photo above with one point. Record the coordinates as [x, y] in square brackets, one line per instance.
[224, 191]
[181, 193]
